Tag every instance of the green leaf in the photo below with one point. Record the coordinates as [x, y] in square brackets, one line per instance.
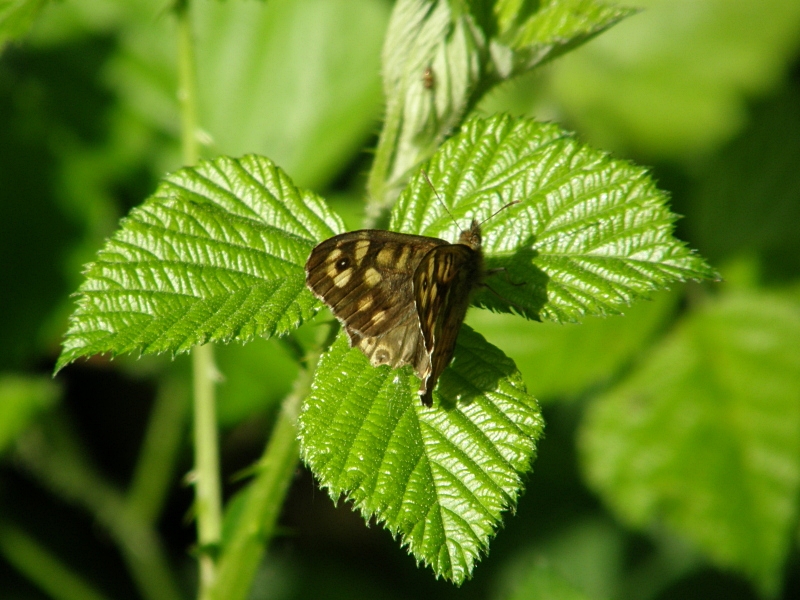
[562, 361]
[216, 254]
[423, 36]
[705, 435]
[21, 399]
[16, 18]
[544, 582]
[439, 478]
[590, 234]
[674, 81]
[530, 39]
[748, 204]
[465, 49]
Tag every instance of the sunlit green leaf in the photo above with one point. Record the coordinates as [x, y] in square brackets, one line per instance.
[590, 233]
[216, 254]
[705, 435]
[588, 236]
[441, 57]
[440, 477]
[530, 38]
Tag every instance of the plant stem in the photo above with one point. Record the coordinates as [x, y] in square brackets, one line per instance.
[264, 496]
[156, 464]
[42, 567]
[53, 455]
[187, 85]
[208, 502]
[379, 189]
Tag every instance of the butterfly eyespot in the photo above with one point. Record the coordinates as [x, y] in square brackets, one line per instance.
[342, 263]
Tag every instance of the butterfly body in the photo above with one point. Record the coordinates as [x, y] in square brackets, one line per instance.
[401, 298]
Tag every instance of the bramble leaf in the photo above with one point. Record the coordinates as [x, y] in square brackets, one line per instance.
[216, 254]
[589, 233]
[587, 236]
[441, 57]
[705, 435]
[439, 478]
[528, 39]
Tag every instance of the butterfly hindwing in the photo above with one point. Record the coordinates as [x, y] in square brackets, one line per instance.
[443, 283]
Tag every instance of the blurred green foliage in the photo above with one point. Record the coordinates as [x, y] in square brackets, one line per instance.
[670, 465]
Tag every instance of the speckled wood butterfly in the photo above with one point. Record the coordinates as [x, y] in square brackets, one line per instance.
[401, 298]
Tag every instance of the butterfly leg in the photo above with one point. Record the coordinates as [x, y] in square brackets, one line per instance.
[491, 272]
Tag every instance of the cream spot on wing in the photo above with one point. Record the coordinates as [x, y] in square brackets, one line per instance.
[334, 254]
[330, 262]
[401, 261]
[431, 321]
[362, 247]
[378, 316]
[386, 257]
[431, 267]
[364, 303]
[341, 279]
[372, 277]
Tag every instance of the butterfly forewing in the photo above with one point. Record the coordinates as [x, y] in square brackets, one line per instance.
[364, 277]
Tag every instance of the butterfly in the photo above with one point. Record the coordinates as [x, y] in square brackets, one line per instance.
[401, 298]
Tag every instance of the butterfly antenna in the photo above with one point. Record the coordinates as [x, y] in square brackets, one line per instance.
[425, 175]
[499, 210]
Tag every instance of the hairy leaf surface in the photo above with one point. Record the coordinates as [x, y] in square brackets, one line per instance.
[216, 254]
[589, 233]
[440, 477]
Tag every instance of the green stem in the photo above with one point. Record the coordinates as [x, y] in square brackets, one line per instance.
[208, 501]
[187, 85]
[264, 497]
[162, 442]
[206, 479]
[42, 567]
[379, 188]
[54, 456]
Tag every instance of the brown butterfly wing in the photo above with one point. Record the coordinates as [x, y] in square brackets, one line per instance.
[442, 284]
[365, 278]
